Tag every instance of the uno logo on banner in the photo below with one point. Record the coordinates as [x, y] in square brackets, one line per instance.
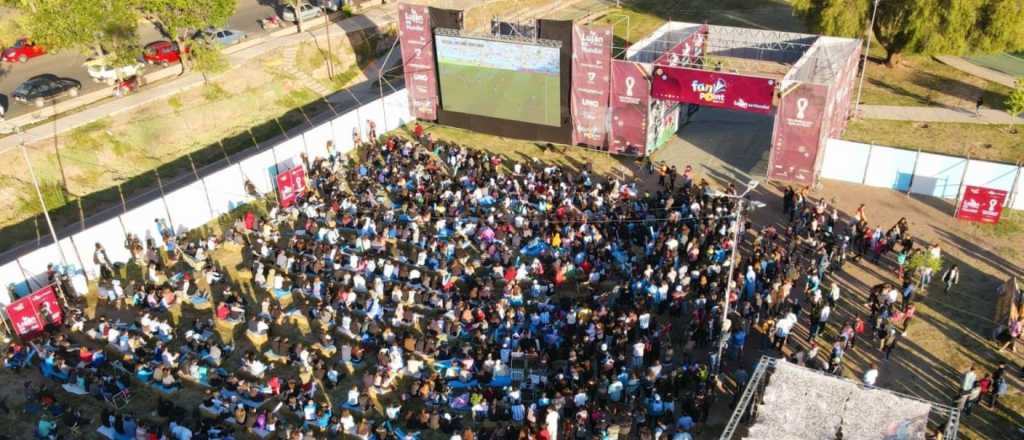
[713, 93]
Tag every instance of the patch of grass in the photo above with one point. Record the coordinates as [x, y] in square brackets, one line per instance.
[342, 79]
[213, 92]
[176, 103]
[10, 28]
[296, 98]
[1010, 224]
[923, 81]
[979, 141]
[309, 58]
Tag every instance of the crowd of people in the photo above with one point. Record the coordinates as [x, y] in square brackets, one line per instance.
[444, 289]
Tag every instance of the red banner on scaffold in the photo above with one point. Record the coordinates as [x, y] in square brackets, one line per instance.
[30, 314]
[630, 101]
[417, 44]
[591, 79]
[713, 89]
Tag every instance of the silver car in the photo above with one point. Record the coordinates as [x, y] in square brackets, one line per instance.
[224, 37]
[306, 10]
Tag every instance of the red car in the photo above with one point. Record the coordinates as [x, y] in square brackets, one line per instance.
[22, 50]
[162, 52]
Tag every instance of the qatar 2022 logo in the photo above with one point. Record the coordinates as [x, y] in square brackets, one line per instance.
[710, 92]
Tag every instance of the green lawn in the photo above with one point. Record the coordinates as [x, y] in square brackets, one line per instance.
[979, 141]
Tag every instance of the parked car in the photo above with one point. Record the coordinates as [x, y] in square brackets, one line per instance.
[306, 10]
[223, 37]
[101, 71]
[22, 50]
[162, 52]
[330, 5]
[46, 87]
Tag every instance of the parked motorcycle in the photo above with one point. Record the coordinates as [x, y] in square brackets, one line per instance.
[271, 22]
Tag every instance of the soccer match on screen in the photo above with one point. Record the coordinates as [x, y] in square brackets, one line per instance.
[512, 219]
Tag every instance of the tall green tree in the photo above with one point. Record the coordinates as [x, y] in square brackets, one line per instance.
[99, 27]
[923, 26]
[1015, 102]
[180, 19]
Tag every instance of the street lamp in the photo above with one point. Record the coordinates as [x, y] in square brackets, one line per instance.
[42, 202]
[864, 70]
[732, 264]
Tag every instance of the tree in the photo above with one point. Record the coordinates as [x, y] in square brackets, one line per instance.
[179, 19]
[106, 28]
[296, 6]
[207, 59]
[923, 26]
[1015, 102]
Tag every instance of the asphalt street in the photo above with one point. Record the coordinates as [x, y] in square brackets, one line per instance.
[69, 64]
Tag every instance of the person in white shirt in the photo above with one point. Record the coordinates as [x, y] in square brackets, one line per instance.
[871, 376]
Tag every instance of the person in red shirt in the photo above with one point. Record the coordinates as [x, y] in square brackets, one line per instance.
[223, 311]
[418, 131]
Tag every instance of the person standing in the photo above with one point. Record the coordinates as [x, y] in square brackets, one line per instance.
[999, 386]
[891, 336]
[871, 375]
[968, 380]
[977, 106]
[950, 278]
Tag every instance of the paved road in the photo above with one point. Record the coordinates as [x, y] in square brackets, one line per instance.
[937, 114]
[69, 64]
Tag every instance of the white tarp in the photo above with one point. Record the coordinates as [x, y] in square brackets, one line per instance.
[396, 110]
[937, 175]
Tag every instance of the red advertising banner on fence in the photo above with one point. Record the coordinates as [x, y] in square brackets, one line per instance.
[591, 78]
[630, 103]
[797, 134]
[687, 51]
[713, 89]
[46, 305]
[31, 314]
[980, 204]
[290, 184]
[24, 317]
[416, 39]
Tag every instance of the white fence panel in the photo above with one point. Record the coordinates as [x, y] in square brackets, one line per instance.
[890, 168]
[34, 264]
[110, 235]
[372, 112]
[990, 175]
[13, 280]
[226, 189]
[343, 126]
[316, 140]
[845, 160]
[189, 208]
[289, 153]
[141, 221]
[257, 169]
[396, 110]
[938, 176]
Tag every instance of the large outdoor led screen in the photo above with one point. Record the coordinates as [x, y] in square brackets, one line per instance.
[500, 79]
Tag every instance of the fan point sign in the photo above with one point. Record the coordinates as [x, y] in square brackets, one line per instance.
[713, 89]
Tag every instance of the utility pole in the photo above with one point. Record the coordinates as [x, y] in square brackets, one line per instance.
[864, 70]
[42, 202]
[732, 266]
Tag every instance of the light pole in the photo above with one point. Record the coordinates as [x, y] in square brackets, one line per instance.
[42, 202]
[732, 266]
[864, 70]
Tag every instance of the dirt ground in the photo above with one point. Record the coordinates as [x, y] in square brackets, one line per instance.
[951, 331]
